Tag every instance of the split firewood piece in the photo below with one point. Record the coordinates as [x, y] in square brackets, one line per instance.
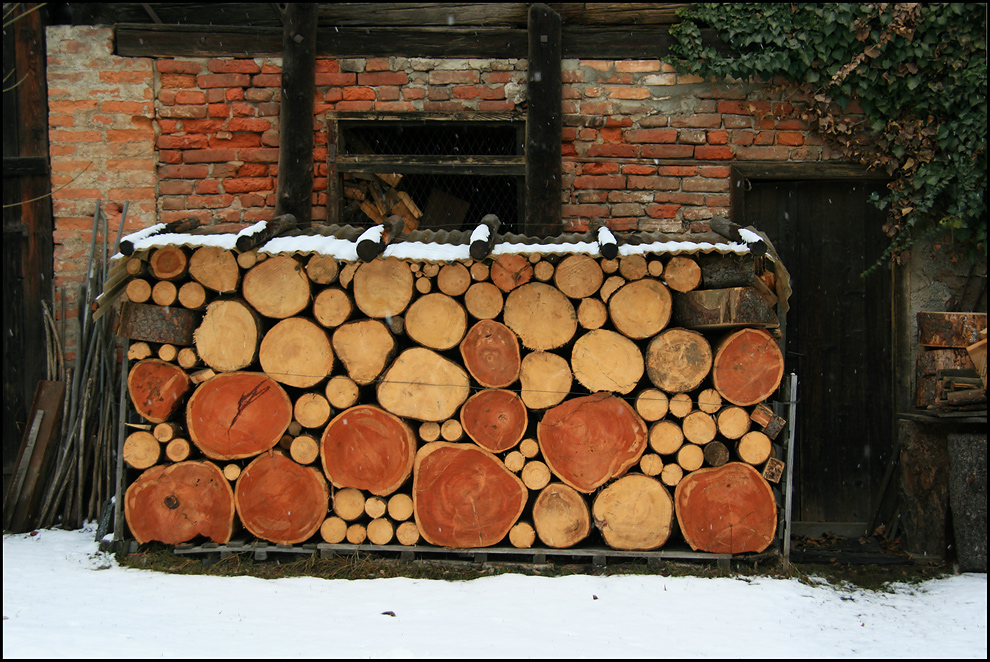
[281, 501]
[332, 307]
[754, 448]
[348, 503]
[589, 440]
[296, 352]
[312, 410]
[522, 535]
[733, 422]
[454, 279]
[138, 351]
[215, 268]
[604, 360]
[651, 464]
[682, 274]
[748, 367]
[709, 401]
[511, 270]
[672, 474]
[699, 427]
[237, 415]
[773, 471]
[201, 376]
[228, 337]
[141, 450]
[164, 293]
[592, 314]
[634, 513]
[726, 510]
[690, 457]
[772, 424]
[380, 531]
[407, 533]
[723, 309]
[530, 448]
[400, 507]
[375, 507]
[452, 430]
[383, 287]
[157, 389]
[364, 347]
[483, 300]
[367, 448]
[422, 385]
[322, 269]
[346, 276]
[680, 405]
[178, 450]
[611, 285]
[560, 516]
[633, 267]
[678, 360]
[652, 404]
[495, 419]
[640, 309]
[535, 475]
[168, 263]
[304, 449]
[490, 351]
[174, 503]
[436, 321]
[578, 276]
[333, 530]
[545, 379]
[716, 454]
[277, 288]
[666, 437]
[342, 392]
[464, 496]
[540, 315]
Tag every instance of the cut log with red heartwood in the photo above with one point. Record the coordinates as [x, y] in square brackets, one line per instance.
[237, 415]
[157, 389]
[748, 367]
[490, 351]
[495, 419]
[589, 440]
[281, 501]
[463, 496]
[367, 448]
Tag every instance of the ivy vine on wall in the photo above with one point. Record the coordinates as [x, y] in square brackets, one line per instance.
[899, 87]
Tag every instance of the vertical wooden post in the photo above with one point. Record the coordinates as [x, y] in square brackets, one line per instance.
[294, 194]
[543, 124]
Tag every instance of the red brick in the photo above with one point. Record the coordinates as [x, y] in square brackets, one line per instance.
[203, 125]
[209, 155]
[444, 77]
[383, 78]
[698, 120]
[202, 216]
[653, 183]
[269, 109]
[235, 140]
[717, 200]
[600, 181]
[635, 66]
[680, 198]
[170, 156]
[720, 137]
[629, 93]
[267, 80]
[127, 107]
[662, 211]
[183, 171]
[635, 169]
[413, 93]
[178, 67]
[704, 184]
[336, 79]
[75, 136]
[126, 77]
[208, 201]
[256, 94]
[713, 152]
[207, 187]
[651, 135]
[500, 77]
[764, 138]
[251, 200]
[327, 65]
[388, 93]
[668, 151]
[223, 80]
[257, 154]
[269, 139]
[190, 97]
[592, 197]
[678, 171]
[233, 66]
[465, 92]
[361, 105]
[599, 168]
[234, 94]
[218, 111]
[610, 150]
[623, 224]
[182, 112]
[691, 136]
[175, 187]
[224, 170]
[243, 109]
[359, 94]
[790, 138]
[177, 81]
[248, 124]
[575, 225]
[611, 135]
[195, 141]
[587, 211]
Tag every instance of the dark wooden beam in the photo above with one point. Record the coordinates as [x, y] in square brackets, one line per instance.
[294, 194]
[544, 124]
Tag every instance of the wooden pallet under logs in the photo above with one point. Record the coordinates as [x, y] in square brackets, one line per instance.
[539, 399]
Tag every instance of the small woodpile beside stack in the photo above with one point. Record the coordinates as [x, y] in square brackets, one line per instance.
[378, 197]
[952, 367]
[542, 399]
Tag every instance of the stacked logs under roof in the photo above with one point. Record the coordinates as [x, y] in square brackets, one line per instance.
[533, 397]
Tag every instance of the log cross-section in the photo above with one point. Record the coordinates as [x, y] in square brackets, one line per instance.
[368, 448]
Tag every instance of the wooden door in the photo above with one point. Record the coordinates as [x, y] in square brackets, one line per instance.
[837, 337]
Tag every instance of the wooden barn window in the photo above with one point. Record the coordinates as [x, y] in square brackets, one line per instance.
[453, 167]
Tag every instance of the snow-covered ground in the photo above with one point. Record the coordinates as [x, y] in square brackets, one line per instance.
[62, 598]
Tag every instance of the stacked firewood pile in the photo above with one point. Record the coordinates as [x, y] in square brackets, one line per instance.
[378, 197]
[532, 400]
[952, 364]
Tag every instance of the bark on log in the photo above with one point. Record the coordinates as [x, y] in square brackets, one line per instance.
[436, 321]
[332, 307]
[423, 385]
[603, 360]
[281, 501]
[175, 503]
[464, 496]
[640, 309]
[277, 287]
[723, 309]
[678, 360]
[959, 330]
[726, 510]
[157, 389]
[367, 448]
[560, 516]
[578, 276]
[141, 321]
[296, 352]
[227, 340]
[634, 513]
[748, 367]
[383, 288]
[589, 440]
[483, 300]
[509, 271]
[495, 419]
[237, 415]
[215, 268]
[540, 315]
[716, 454]
[364, 347]
[726, 270]
[545, 380]
[490, 351]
